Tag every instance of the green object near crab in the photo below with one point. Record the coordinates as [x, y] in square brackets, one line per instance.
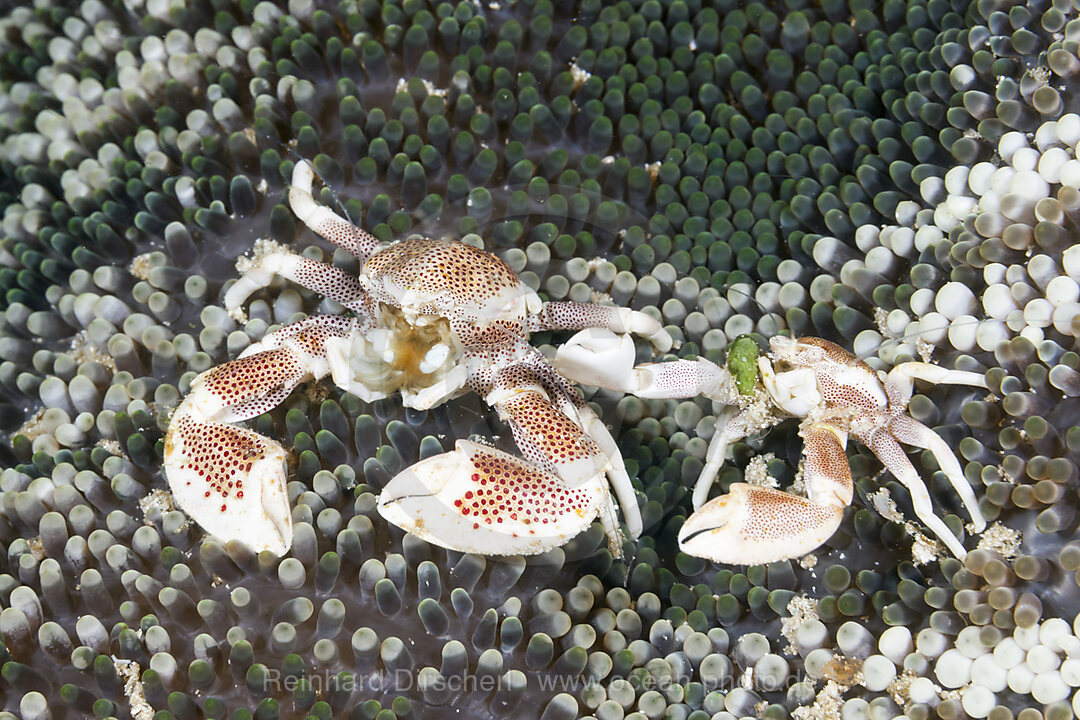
[742, 360]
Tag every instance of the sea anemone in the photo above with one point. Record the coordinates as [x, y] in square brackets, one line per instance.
[898, 177]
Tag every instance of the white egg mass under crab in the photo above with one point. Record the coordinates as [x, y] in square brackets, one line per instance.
[431, 319]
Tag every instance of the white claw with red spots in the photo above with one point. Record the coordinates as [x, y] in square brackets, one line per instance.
[433, 318]
[753, 525]
[481, 500]
[227, 478]
[230, 480]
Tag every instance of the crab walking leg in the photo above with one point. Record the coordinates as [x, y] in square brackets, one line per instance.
[617, 475]
[899, 384]
[910, 431]
[325, 221]
[579, 316]
[311, 333]
[598, 356]
[729, 428]
[271, 260]
[678, 379]
[229, 479]
[895, 460]
[752, 525]
[481, 500]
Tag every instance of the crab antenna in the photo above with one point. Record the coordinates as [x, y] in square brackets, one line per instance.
[730, 287]
[301, 158]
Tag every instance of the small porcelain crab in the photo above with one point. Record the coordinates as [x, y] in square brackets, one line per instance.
[835, 393]
[430, 319]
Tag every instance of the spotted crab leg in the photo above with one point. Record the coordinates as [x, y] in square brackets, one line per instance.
[271, 259]
[910, 431]
[598, 356]
[579, 316]
[896, 461]
[899, 387]
[568, 399]
[325, 221]
[753, 525]
[479, 499]
[544, 433]
[229, 479]
[900, 382]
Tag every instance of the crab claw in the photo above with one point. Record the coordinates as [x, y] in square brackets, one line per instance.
[597, 356]
[634, 321]
[753, 525]
[230, 480]
[481, 500]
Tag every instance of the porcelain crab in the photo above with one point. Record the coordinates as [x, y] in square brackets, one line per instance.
[429, 319]
[836, 395]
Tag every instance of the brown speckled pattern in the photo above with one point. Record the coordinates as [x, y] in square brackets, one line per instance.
[329, 281]
[248, 379]
[348, 237]
[241, 389]
[549, 431]
[835, 353]
[572, 316]
[827, 474]
[461, 275]
[777, 516]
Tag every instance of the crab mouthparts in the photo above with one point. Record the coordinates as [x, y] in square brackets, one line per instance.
[434, 358]
[404, 353]
[416, 351]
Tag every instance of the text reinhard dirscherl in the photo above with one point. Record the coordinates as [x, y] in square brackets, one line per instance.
[274, 682]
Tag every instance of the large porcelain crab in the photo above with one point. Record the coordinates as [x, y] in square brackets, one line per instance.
[835, 393]
[430, 319]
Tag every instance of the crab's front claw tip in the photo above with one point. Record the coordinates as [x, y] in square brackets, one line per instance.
[477, 499]
[585, 469]
[597, 356]
[649, 328]
[754, 525]
[249, 503]
[660, 338]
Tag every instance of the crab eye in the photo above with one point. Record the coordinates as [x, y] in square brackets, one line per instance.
[742, 363]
